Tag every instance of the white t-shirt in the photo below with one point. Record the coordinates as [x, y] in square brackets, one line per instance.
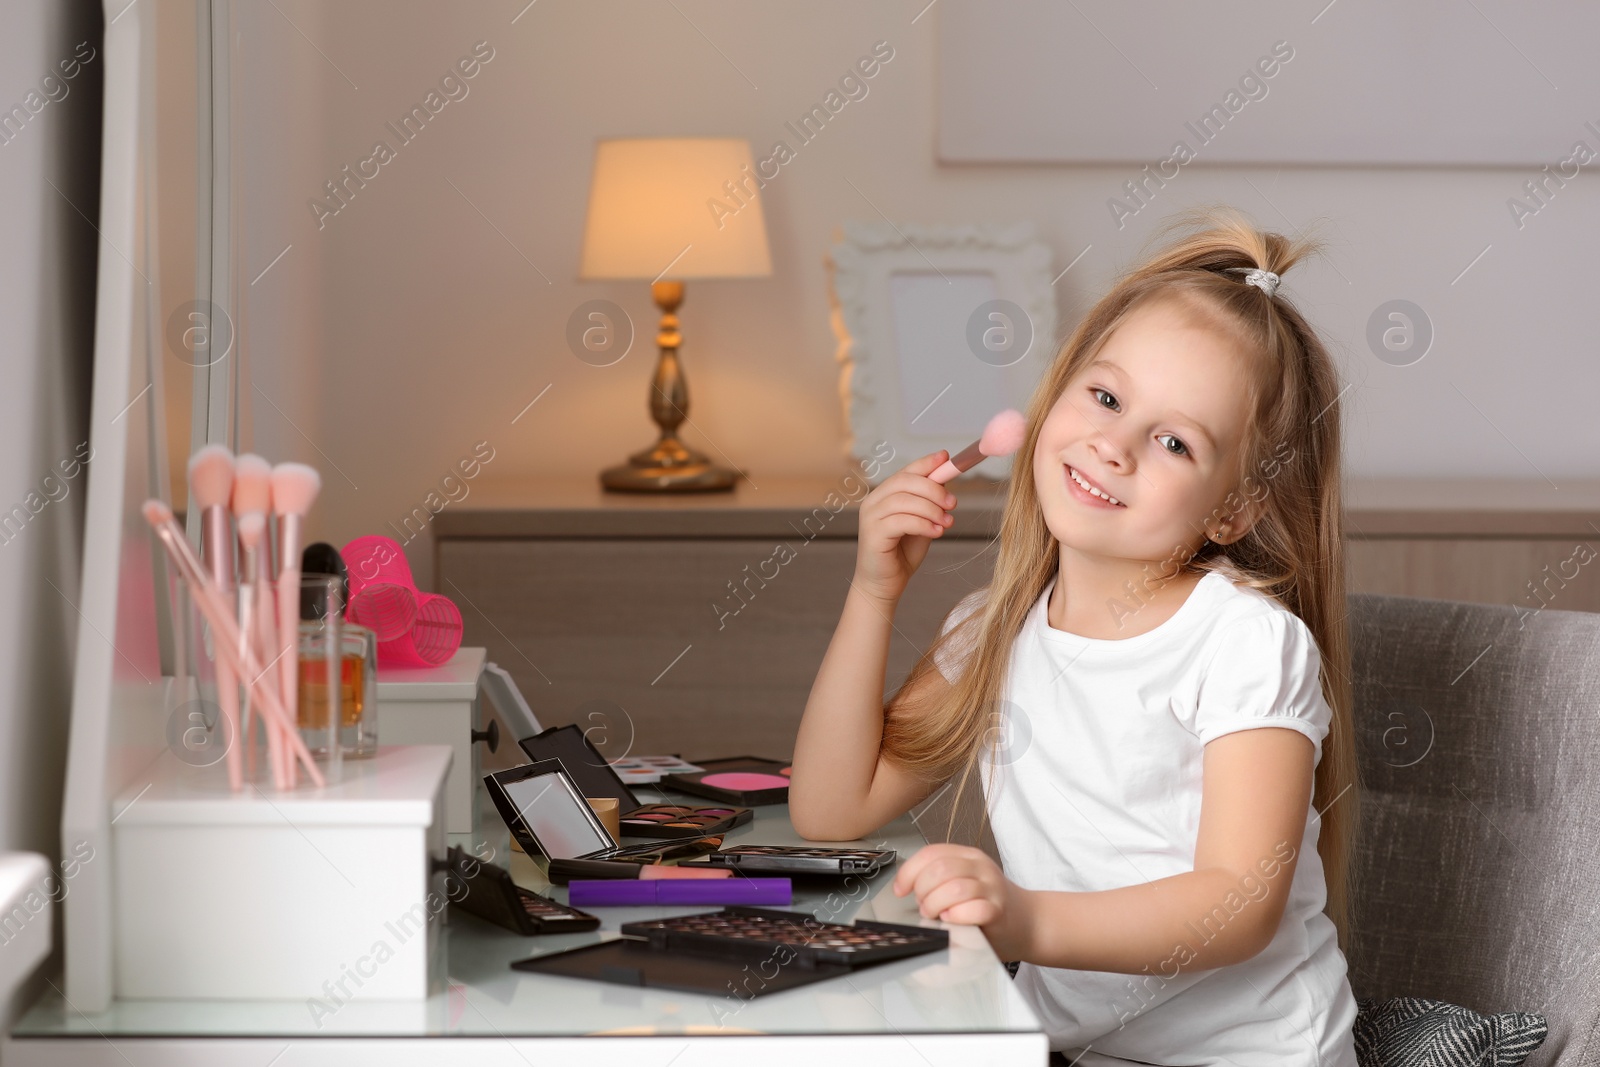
[1098, 786]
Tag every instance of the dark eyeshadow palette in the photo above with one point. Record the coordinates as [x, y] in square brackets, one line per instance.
[747, 780]
[800, 859]
[630, 961]
[712, 952]
[596, 779]
[492, 895]
[812, 941]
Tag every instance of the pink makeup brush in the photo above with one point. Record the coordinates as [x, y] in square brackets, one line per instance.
[252, 535]
[1001, 437]
[211, 482]
[294, 488]
[159, 516]
[252, 493]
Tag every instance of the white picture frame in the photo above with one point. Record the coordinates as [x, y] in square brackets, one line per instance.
[939, 327]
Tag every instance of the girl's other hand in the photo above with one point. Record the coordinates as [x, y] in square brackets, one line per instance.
[958, 884]
[898, 521]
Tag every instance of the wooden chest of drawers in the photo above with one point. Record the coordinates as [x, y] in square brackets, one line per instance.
[694, 624]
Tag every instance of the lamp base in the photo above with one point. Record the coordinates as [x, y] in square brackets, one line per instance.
[704, 479]
[669, 467]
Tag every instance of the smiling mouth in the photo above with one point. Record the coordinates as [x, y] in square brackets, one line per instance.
[1083, 483]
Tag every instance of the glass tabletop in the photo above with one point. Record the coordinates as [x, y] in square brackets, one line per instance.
[962, 989]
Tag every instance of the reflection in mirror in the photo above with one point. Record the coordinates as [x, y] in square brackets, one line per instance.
[153, 253]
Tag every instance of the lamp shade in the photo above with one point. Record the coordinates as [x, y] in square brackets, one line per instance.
[662, 207]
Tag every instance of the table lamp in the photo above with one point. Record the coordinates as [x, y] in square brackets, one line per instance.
[672, 208]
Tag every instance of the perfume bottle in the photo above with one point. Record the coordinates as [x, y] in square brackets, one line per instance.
[338, 679]
[352, 699]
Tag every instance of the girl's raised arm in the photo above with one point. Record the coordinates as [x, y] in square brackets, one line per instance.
[842, 788]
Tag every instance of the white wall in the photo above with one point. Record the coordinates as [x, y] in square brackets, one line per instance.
[409, 327]
[47, 256]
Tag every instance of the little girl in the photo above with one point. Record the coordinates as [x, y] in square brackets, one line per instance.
[1163, 649]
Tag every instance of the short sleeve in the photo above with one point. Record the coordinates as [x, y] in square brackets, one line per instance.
[1265, 672]
[951, 657]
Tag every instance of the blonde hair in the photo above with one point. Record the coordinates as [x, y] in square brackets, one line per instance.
[1293, 552]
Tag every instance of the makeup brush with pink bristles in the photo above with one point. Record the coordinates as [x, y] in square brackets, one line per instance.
[294, 489]
[1003, 436]
[211, 482]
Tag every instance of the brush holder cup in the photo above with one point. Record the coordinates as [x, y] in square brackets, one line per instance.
[413, 628]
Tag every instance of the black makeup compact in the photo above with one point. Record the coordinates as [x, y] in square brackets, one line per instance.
[798, 859]
[487, 891]
[596, 779]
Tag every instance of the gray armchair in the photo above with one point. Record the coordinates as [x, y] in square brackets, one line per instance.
[1478, 868]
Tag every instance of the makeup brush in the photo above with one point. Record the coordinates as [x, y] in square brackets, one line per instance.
[252, 533]
[159, 516]
[252, 494]
[294, 488]
[1001, 437]
[211, 482]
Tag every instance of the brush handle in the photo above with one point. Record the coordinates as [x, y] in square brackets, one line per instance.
[266, 649]
[247, 632]
[289, 527]
[266, 635]
[246, 665]
[959, 463]
[217, 541]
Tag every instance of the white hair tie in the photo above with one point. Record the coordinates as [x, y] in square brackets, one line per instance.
[1264, 280]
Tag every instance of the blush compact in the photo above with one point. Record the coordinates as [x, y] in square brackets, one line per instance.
[596, 778]
[736, 780]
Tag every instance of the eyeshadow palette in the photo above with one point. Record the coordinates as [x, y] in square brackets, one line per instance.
[629, 861]
[713, 952]
[737, 780]
[596, 778]
[810, 939]
[800, 859]
[647, 770]
[656, 820]
[490, 894]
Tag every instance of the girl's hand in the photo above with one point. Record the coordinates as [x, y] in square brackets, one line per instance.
[898, 521]
[958, 884]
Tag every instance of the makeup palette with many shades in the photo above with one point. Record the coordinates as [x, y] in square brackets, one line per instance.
[487, 891]
[736, 780]
[810, 939]
[754, 951]
[680, 820]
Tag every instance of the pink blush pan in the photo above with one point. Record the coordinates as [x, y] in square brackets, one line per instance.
[745, 781]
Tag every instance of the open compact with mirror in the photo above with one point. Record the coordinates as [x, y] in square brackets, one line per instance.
[595, 779]
[549, 816]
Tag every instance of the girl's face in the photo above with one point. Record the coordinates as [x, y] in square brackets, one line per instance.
[1156, 421]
